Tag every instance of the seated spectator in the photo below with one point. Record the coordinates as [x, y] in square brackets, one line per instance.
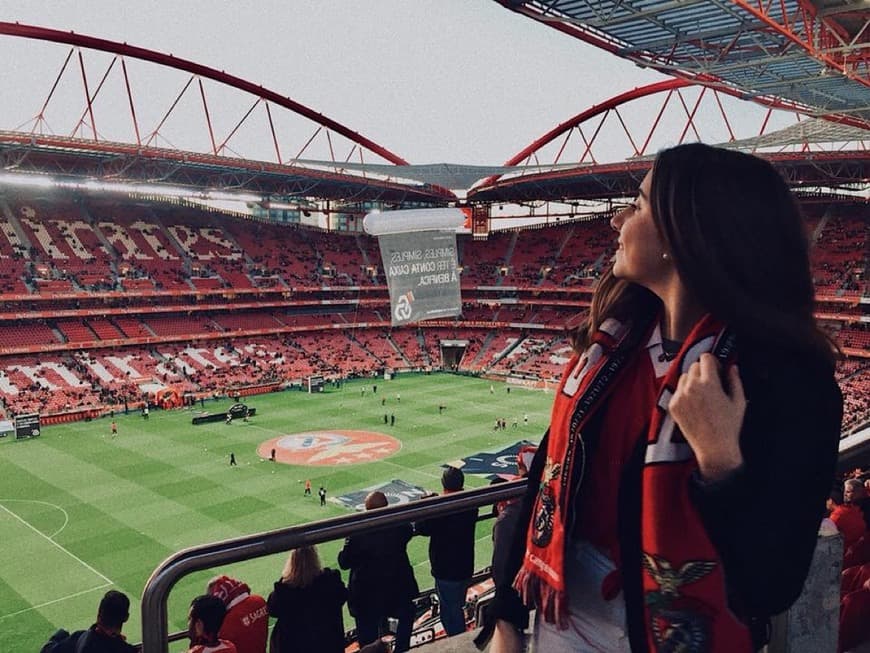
[204, 622]
[246, 623]
[307, 602]
[853, 579]
[104, 636]
[382, 582]
[848, 519]
[859, 552]
[854, 624]
[853, 491]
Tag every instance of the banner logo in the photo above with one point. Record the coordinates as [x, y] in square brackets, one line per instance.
[403, 307]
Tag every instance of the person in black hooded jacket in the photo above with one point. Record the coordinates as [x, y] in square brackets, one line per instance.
[104, 636]
[382, 582]
[307, 603]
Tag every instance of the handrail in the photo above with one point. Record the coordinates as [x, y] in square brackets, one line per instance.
[155, 628]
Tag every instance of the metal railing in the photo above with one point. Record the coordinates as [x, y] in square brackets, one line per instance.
[155, 622]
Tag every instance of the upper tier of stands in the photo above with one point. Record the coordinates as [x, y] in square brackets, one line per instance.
[51, 247]
[101, 274]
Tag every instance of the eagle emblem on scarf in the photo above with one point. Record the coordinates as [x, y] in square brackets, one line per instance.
[679, 624]
[543, 522]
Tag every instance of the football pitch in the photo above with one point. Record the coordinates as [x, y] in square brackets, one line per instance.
[82, 512]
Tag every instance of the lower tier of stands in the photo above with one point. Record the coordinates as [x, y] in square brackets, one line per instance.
[107, 379]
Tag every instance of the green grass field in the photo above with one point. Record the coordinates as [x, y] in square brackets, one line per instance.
[81, 512]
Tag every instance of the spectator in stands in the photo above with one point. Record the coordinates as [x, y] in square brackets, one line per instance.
[246, 623]
[651, 415]
[451, 554]
[859, 552]
[848, 518]
[382, 582]
[854, 624]
[307, 603]
[853, 491]
[104, 636]
[204, 621]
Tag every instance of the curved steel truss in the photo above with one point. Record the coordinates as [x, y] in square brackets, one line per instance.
[815, 56]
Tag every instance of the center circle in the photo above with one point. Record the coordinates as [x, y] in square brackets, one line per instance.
[329, 447]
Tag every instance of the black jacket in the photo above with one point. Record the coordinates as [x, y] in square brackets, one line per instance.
[309, 618]
[763, 519]
[381, 577]
[86, 641]
[451, 544]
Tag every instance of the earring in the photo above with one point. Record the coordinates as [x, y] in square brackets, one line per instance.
[665, 256]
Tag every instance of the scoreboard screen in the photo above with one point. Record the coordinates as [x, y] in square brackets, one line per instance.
[314, 383]
[26, 426]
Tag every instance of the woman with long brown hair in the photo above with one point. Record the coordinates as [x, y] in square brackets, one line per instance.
[307, 602]
[700, 389]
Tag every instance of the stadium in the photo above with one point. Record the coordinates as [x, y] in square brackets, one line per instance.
[165, 310]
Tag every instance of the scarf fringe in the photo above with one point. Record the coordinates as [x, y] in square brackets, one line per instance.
[550, 602]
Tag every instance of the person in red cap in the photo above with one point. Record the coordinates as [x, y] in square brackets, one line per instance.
[246, 623]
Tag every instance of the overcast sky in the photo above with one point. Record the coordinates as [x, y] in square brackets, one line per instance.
[464, 81]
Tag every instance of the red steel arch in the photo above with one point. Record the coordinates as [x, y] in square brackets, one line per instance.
[594, 110]
[123, 49]
[667, 85]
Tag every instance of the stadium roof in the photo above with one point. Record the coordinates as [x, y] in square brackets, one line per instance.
[815, 55]
[832, 170]
[71, 158]
[725, 44]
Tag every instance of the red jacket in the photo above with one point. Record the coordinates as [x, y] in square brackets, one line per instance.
[854, 624]
[853, 579]
[246, 624]
[858, 553]
[850, 522]
[222, 646]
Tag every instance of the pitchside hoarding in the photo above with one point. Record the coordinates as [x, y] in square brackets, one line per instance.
[396, 492]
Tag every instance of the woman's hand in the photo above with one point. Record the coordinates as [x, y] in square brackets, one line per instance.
[709, 417]
[505, 639]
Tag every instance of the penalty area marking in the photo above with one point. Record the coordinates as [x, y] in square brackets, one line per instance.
[44, 503]
[46, 537]
[52, 602]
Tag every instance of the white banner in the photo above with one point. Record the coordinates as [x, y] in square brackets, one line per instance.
[422, 275]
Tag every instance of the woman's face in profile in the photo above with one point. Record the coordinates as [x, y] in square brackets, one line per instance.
[640, 250]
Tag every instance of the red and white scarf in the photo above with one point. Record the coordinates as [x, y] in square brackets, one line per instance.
[683, 581]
